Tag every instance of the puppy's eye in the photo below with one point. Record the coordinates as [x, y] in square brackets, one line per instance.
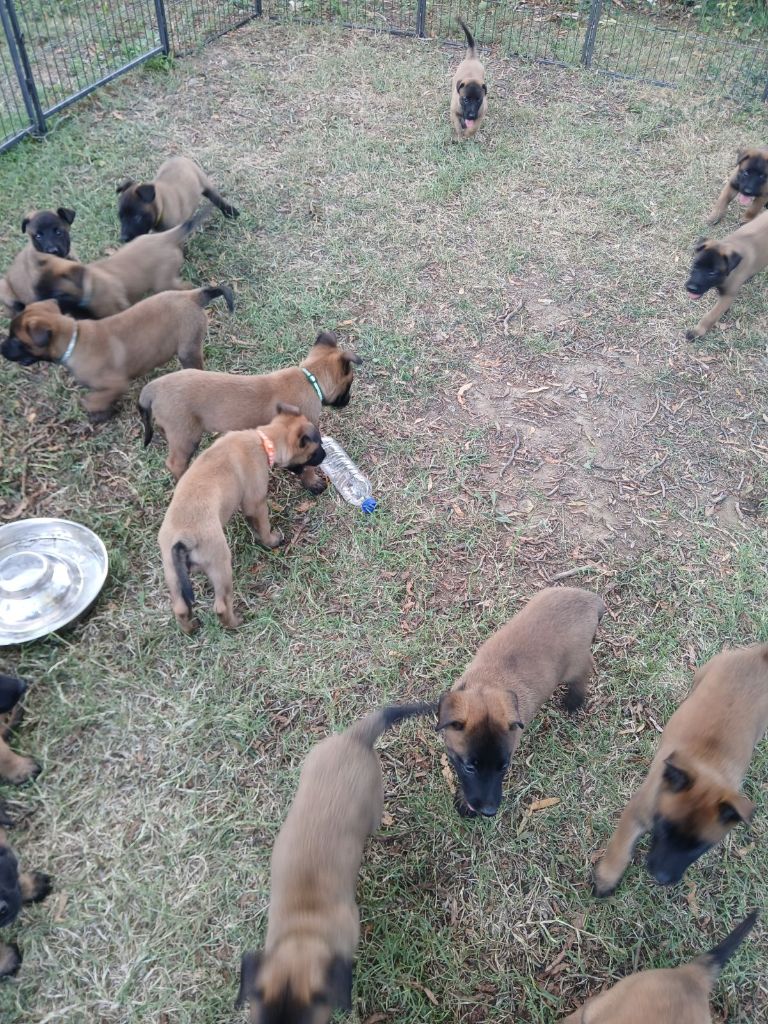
[503, 765]
[458, 726]
[470, 767]
[38, 234]
[57, 231]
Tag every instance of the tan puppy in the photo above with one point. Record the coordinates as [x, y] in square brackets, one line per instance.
[187, 404]
[168, 200]
[305, 970]
[16, 888]
[231, 475]
[48, 232]
[510, 677]
[690, 799]
[726, 265]
[679, 994]
[749, 183]
[144, 266]
[106, 355]
[469, 93]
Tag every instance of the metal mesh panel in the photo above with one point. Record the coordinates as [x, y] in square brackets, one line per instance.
[396, 16]
[191, 23]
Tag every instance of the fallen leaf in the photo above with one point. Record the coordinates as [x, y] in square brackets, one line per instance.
[387, 819]
[541, 805]
[376, 1018]
[427, 992]
[448, 774]
[462, 391]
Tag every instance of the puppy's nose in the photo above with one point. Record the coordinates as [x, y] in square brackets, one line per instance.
[3, 909]
[489, 810]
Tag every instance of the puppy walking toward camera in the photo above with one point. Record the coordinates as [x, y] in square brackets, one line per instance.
[511, 676]
[48, 232]
[679, 994]
[169, 199]
[691, 799]
[231, 475]
[16, 889]
[749, 183]
[726, 266]
[305, 970]
[469, 93]
[104, 356]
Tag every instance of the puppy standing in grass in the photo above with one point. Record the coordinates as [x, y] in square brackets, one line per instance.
[690, 799]
[48, 232]
[749, 183]
[305, 970]
[679, 994]
[510, 677]
[168, 200]
[469, 93]
[232, 474]
[105, 355]
[726, 266]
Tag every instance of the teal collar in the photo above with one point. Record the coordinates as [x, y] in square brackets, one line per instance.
[313, 381]
[64, 360]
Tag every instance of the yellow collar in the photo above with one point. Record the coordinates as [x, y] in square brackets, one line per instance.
[269, 447]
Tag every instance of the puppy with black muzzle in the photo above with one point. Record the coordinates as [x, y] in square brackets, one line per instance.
[231, 475]
[726, 266]
[14, 768]
[16, 889]
[749, 183]
[48, 232]
[469, 93]
[511, 676]
[187, 404]
[678, 994]
[104, 356]
[168, 200]
[691, 797]
[145, 266]
[313, 929]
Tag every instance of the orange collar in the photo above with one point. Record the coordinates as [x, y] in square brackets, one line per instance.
[269, 447]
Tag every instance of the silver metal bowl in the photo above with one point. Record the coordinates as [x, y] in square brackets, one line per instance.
[51, 572]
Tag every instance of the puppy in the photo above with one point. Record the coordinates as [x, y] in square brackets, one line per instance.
[726, 265]
[105, 355]
[144, 266]
[510, 677]
[16, 888]
[48, 232]
[187, 404]
[13, 767]
[305, 970]
[169, 199]
[231, 475]
[679, 994]
[469, 93]
[690, 798]
[749, 183]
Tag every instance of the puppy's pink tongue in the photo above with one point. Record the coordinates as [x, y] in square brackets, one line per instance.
[744, 200]
[469, 121]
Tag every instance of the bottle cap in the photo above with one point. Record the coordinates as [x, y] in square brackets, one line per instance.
[368, 506]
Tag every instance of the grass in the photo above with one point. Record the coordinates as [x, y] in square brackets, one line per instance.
[523, 291]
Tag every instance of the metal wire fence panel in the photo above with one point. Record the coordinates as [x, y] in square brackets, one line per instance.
[397, 16]
[192, 23]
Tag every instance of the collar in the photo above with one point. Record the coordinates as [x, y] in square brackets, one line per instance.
[313, 381]
[269, 447]
[64, 359]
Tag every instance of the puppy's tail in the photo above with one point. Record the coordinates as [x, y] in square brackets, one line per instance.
[183, 231]
[180, 558]
[718, 957]
[205, 295]
[368, 729]
[145, 411]
[471, 47]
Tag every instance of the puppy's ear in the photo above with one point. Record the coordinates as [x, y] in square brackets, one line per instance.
[459, 86]
[146, 193]
[340, 984]
[700, 242]
[485, 88]
[449, 712]
[732, 260]
[327, 338]
[24, 225]
[675, 778]
[736, 809]
[249, 966]
[126, 184]
[66, 214]
[741, 154]
[351, 358]
[514, 707]
[288, 410]
[39, 332]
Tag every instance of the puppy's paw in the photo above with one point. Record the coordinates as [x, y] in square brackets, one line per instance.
[101, 415]
[462, 807]
[6, 821]
[10, 959]
[602, 888]
[188, 625]
[25, 768]
[276, 538]
[714, 218]
[35, 886]
[574, 699]
[693, 334]
[314, 481]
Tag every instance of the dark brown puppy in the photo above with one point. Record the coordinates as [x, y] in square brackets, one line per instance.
[144, 266]
[726, 266]
[106, 355]
[169, 199]
[16, 889]
[510, 677]
[187, 404]
[14, 768]
[48, 232]
[679, 994]
[305, 970]
[231, 475]
[469, 102]
[749, 183]
[690, 799]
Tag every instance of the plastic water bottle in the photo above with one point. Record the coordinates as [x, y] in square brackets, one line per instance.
[351, 484]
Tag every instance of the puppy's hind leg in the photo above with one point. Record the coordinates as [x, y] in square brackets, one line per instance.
[578, 685]
[213, 196]
[635, 821]
[190, 352]
[218, 568]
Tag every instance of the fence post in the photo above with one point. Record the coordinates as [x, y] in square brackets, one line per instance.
[162, 26]
[20, 59]
[257, 8]
[595, 10]
[421, 18]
